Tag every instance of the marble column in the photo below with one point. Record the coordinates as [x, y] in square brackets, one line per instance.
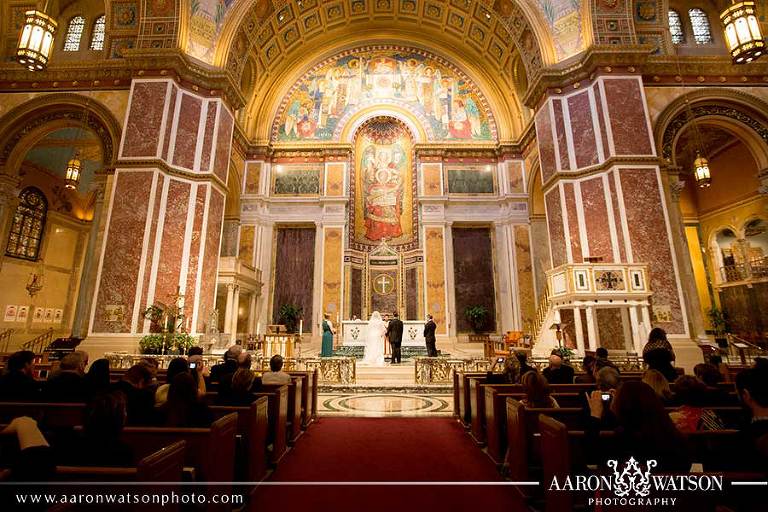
[165, 212]
[235, 312]
[435, 280]
[228, 308]
[603, 189]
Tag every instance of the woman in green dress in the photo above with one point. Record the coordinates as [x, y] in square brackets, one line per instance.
[328, 332]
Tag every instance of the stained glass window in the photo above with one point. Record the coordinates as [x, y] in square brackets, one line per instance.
[27, 226]
[675, 27]
[97, 36]
[700, 24]
[74, 34]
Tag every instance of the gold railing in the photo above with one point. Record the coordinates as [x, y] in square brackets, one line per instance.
[742, 350]
[5, 339]
[39, 343]
[541, 313]
[756, 268]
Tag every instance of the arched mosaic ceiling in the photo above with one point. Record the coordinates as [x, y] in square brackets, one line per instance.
[446, 103]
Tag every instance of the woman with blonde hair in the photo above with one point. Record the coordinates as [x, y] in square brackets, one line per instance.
[656, 380]
[536, 389]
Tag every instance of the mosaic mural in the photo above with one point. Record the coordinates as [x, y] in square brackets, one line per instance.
[440, 96]
[383, 184]
[470, 180]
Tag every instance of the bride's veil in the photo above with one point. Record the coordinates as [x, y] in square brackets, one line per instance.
[376, 317]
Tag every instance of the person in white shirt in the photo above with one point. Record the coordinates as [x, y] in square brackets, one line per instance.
[276, 376]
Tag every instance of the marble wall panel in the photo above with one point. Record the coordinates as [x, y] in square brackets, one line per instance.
[650, 243]
[473, 275]
[545, 142]
[223, 144]
[210, 124]
[334, 184]
[229, 235]
[573, 222]
[562, 143]
[582, 130]
[556, 229]
[617, 215]
[356, 293]
[610, 328]
[190, 293]
[186, 131]
[247, 239]
[142, 131]
[332, 254]
[172, 241]
[210, 258]
[600, 119]
[435, 276]
[151, 243]
[412, 289]
[525, 292]
[626, 112]
[170, 110]
[122, 251]
[596, 218]
[252, 177]
[430, 174]
[569, 335]
[540, 249]
[294, 270]
[515, 177]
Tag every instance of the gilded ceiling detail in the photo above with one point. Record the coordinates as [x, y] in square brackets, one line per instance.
[437, 93]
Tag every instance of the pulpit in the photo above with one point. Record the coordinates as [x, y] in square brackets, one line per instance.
[281, 344]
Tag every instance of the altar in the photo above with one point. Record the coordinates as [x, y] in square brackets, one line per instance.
[353, 333]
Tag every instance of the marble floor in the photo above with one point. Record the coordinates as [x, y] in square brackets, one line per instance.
[382, 404]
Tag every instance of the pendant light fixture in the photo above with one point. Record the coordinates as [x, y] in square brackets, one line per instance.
[35, 45]
[742, 32]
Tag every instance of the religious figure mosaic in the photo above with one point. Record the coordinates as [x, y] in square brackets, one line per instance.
[440, 96]
[383, 185]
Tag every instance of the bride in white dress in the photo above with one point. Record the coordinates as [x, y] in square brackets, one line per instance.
[374, 341]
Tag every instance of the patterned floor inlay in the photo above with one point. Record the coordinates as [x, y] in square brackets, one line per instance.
[377, 405]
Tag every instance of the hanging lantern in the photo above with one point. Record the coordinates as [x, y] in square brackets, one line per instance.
[742, 32]
[701, 171]
[36, 40]
[72, 178]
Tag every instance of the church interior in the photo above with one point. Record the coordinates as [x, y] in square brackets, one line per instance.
[421, 213]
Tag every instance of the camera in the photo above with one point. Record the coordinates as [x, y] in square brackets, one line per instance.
[192, 366]
[605, 397]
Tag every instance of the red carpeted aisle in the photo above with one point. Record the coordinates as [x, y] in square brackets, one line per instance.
[385, 449]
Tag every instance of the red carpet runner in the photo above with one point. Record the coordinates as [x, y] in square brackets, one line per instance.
[385, 449]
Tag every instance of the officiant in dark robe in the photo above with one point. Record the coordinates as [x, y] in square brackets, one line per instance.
[395, 336]
[429, 336]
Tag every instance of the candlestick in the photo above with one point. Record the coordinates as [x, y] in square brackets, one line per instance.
[258, 328]
[301, 327]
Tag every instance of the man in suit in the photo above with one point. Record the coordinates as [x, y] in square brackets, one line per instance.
[395, 336]
[429, 336]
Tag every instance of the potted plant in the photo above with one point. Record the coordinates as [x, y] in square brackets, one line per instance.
[719, 325]
[151, 344]
[154, 314]
[289, 315]
[477, 316]
[183, 342]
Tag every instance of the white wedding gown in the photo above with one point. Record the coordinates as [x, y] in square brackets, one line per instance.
[374, 341]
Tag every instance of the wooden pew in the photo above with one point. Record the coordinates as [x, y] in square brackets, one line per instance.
[308, 395]
[293, 408]
[210, 451]
[464, 395]
[253, 428]
[48, 415]
[163, 465]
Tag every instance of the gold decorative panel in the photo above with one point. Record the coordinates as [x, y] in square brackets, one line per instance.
[431, 179]
[435, 271]
[332, 253]
[334, 183]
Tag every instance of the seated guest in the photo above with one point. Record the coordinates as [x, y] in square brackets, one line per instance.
[67, 384]
[691, 416]
[588, 364]
[97, 379]
[195, 351]
[229, 366]
[511, 370]
[199, 371]
[658, 354]
[153, 365]
[607, 382]
[644, 429]
[139, 393]
[557, 372]
[176, 366]
[100, 443]
[522, 357]
[35, 461]
[276, 375]
[536, 391]
[18, 384]
[601, 353]
[711, 377]
[752, 386]
[240, 393]
[660, 386]
[244, 360]
[722, 368]
[184, 408]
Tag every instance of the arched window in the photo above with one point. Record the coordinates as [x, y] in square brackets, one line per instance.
[700, 24]
[97, 36]
[27, 226]
[675, 27]
[74, 34]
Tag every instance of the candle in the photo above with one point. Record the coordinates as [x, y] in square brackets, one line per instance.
[301, 327]
[258, 328]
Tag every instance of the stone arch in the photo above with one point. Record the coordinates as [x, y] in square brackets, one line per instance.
[737, 112]
[30, 121]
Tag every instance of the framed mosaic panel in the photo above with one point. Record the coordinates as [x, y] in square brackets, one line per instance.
[125, 16]
[296, 180]
[471, 180]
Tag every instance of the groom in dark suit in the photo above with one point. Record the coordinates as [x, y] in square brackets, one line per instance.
[429, 336]
[395, 336]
